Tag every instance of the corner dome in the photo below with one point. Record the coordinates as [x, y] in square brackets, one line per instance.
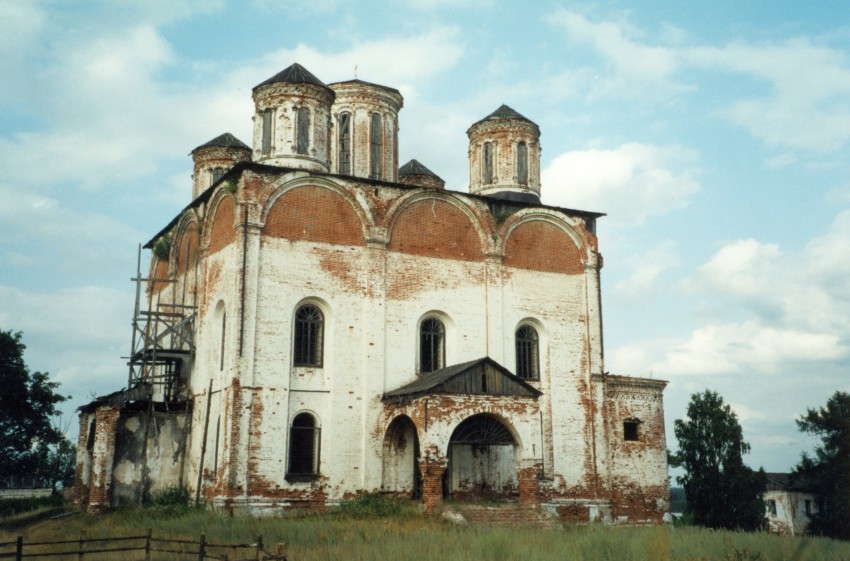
[292, 74]
[414, 173]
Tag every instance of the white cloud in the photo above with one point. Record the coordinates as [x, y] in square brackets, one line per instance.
[78, 335]
[747, 348]
[415, 59]
[635, 67]
[764, 311]
[631, 182]
[646, 268]
[805, 107]
[740, 267]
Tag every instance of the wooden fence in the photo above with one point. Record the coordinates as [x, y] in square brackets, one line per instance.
[148, 547]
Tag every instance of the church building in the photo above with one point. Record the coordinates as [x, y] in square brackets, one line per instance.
[320, 322]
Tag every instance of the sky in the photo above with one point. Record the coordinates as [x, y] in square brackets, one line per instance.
[714, 135]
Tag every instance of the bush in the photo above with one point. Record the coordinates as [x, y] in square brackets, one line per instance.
[10, 507]
[369, 505]
[171, 500]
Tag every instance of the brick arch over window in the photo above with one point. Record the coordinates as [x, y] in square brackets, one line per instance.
[222, 232]
[435, 228]
[315, 214]
[188, 248]
[542, 246]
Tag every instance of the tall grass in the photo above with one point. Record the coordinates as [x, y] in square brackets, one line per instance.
[352, 533]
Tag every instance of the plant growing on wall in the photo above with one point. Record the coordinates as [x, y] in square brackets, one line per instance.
[162, 247]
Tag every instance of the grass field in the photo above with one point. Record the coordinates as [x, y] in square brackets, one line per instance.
[405, 535]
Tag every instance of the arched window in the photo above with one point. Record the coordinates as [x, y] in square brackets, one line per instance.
[432, 344]
[221, 348]
[488, 163]
[309, 335]
[527, 363]
[522, 163]
[375, 153]
[304, 438]
[631, 429]
[302, 130]
[217, 173]
[267, 131]
[345, 143]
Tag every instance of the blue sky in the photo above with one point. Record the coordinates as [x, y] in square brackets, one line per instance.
[714, 135]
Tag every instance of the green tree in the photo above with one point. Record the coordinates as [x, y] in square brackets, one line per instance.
[828, 472]
[28, 400]
[56, 464]
[721, 491]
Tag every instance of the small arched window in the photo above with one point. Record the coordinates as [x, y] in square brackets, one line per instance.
[345, 143]
[488, 163]
[527, 359]
[304, 439]
[631, 429]
[432, 344]
[217, 173]
[376, 147]
[302, 130]
[267, 131]
[522, 163]
[309, 335]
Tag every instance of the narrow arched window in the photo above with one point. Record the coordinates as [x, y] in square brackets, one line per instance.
[304, 439]
[345, 143]
[376, 146]
[309, 333]
[432, 342]
[302, 129]
[267, 131]
[488, 163]
[631, 429]
[217, 173]
[221, 347]
[522, 163]
[527, 363]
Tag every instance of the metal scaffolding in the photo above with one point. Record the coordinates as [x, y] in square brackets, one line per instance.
[162, 342]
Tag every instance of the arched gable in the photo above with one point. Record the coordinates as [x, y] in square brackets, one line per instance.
[313, 212]
[539, 243]
[436, 226]
[221, 231]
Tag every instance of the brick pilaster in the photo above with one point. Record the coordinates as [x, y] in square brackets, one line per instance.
[432, 470]
[103, 457]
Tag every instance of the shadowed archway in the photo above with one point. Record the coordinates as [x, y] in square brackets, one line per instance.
[481, 460]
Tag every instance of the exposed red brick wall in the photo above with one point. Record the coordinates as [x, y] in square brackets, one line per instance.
[541, 246]
[529, 486]
[160, 271]
[106, 424]
[187, 248]
[435, 228]
[314, 214]
[432, 482]
[223, 233]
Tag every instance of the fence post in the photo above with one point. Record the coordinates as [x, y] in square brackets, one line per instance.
[202, 546]
[259, 546]
[148, 546]
[82, 546]
[19, 549]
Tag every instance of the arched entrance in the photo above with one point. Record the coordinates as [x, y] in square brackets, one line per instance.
[401, 459]
[481, 460]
